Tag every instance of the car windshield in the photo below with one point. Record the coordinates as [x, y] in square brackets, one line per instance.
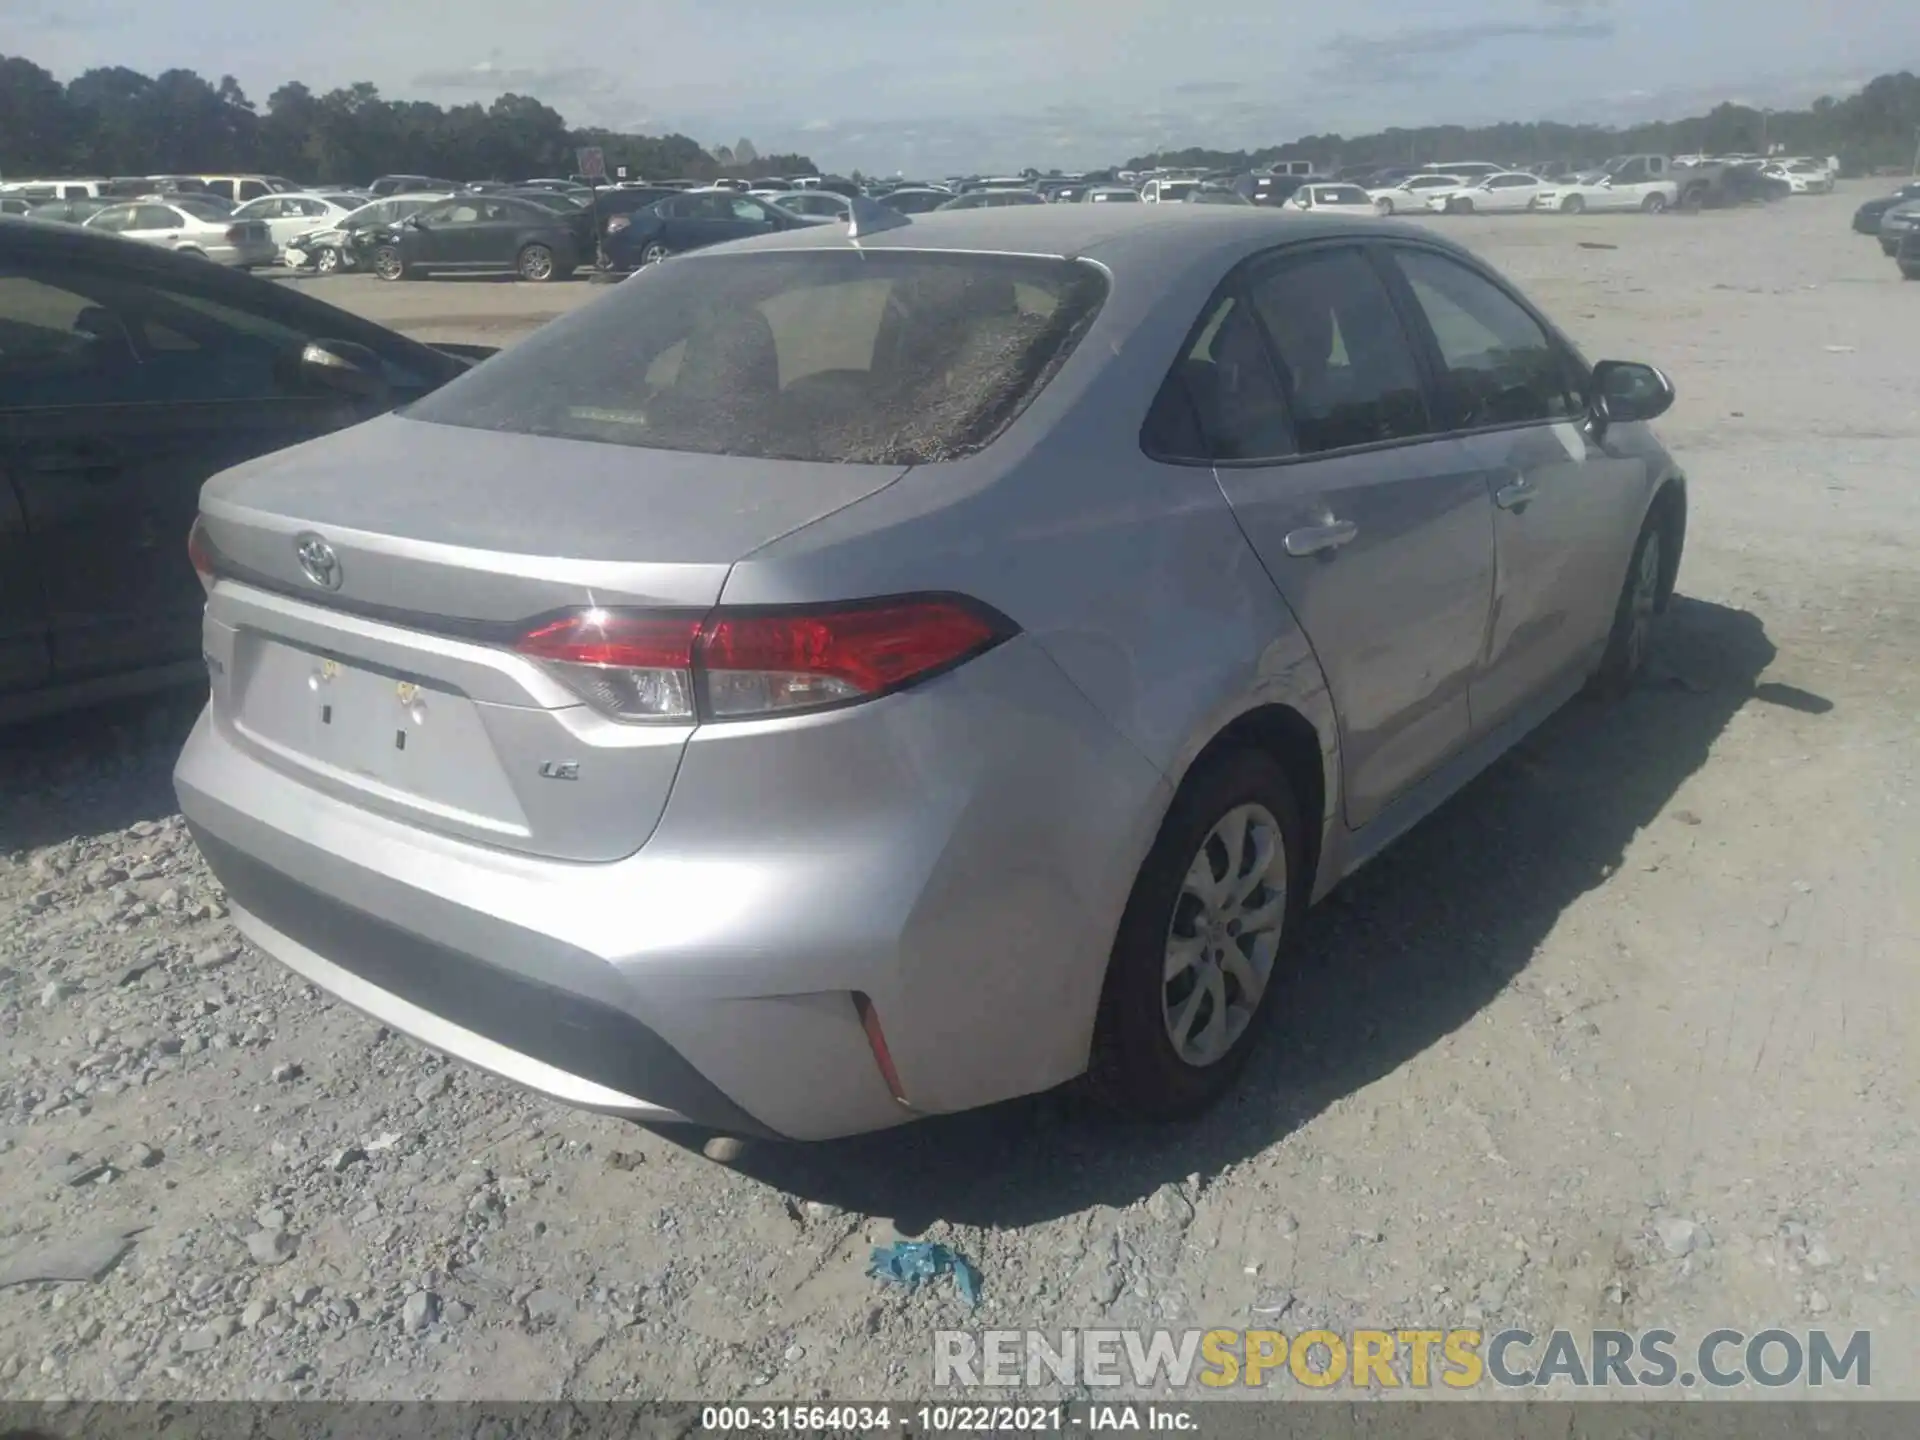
[884, 358]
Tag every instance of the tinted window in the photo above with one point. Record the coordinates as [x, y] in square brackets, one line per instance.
[1224, 393]
[879, 358]
[749, 210]
[115, 217]
[1500, 366]
[222, 188]
[1346, 367]
[72, 337]
[156, 217]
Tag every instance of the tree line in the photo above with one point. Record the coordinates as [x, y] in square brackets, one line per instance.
[116, 121]
[1876, 129]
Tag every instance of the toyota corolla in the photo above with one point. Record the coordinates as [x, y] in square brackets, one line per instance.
[878, 670]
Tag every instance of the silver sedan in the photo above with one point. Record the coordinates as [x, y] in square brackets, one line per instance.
[860, 673]
[190, 226]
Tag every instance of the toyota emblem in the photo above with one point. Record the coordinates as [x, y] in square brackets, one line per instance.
[322, 566]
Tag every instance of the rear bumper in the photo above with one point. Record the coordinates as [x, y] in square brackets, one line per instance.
[959, 854]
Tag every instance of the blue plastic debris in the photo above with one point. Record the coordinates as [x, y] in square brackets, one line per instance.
[908, 1262]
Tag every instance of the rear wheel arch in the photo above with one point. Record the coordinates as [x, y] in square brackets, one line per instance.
[1287, 736]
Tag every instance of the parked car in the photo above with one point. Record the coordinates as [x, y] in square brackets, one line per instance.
[1504, 191]
[16, 205]
[68, 212]
[813, 204]
[910, 200]
[477, 233]
[1801, 178]
[1346, 200]
[332, 247]
[1899, 222]
[1110, 195]
[129, 376]
[62, 189]
[289, 216]
[743, 730]
[993, 199]
[239, 189]
[1158, 192]
[1866, 220]
[1265, 189]
[1411, 194]
[1609, 193]
[191, 226]
[694, 220]
[1214, 195]
[1908, 255]
[409, 185]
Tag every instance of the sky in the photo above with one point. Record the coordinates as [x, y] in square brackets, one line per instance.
[932, 87]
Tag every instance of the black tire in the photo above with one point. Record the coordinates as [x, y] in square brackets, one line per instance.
[653, 253]
[1461, 205]
[536, 264]
[1633, 614]
[1383, 205]
[1573, 205]
[1910, 270]
[1135, 1068]
[1654, 204]
[387, 263]
[1693, 199]
[326, 260]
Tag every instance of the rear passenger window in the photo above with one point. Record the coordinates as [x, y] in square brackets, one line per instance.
[1501, 368]
[1222, 400]
[1347, 370]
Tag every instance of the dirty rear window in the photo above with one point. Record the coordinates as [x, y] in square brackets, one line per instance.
[896, 358]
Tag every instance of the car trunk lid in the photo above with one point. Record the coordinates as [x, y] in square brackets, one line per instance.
[372, 585]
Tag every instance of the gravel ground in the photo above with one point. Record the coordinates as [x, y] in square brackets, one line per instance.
[1623, 1036]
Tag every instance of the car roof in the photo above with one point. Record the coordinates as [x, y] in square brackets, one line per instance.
[1128, 239]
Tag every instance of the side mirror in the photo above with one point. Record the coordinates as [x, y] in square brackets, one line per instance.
[345, 368]
[1624, 391]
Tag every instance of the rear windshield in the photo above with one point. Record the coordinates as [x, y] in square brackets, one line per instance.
[889, 358]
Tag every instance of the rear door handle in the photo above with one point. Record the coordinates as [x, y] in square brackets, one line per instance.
[1315, 539]
[1515, 494]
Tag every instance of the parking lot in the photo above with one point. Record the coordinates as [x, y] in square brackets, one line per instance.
[1622, 1037]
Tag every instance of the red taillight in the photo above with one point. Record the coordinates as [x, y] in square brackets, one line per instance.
[200, 552]
[757, 664]
[634, 667]
[750, 663]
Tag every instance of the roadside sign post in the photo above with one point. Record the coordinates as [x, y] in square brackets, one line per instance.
[593, 164]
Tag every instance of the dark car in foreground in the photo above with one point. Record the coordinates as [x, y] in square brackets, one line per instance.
[693, 220]
[1866, 220]
[128, 375]
[478, 233]
[843, 677]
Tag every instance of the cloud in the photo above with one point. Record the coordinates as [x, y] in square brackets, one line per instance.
[540, 81]
[816, 127]
[1397, 56]
[1209, 87]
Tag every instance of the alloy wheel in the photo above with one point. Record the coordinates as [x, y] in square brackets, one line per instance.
[327, 261]
[1225, 932]
[387, 264]
[536, 263]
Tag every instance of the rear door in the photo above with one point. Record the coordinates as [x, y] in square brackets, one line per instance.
[1374, 527]
[140, 391]
[24, 656]
[1565, 507]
